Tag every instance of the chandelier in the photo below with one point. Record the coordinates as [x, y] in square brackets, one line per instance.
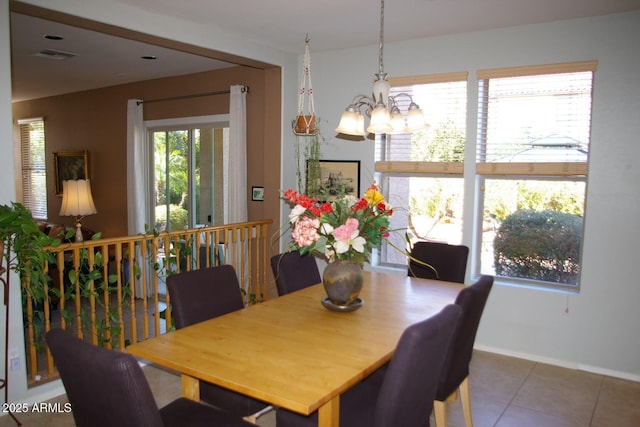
[382, 109]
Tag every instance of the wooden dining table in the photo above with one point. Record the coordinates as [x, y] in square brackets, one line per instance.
[294, 353]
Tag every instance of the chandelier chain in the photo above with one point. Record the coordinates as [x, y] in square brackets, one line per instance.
[381, 51]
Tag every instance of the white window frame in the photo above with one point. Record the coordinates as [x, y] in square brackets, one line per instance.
[559, 171]
[150, 126]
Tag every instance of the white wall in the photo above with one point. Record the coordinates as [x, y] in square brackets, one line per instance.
[597, 329]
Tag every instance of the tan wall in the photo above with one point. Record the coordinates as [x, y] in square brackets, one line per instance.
[97, 121]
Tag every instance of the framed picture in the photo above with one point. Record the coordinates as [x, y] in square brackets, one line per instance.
[257, 194]
[70, 165]
[329, 179]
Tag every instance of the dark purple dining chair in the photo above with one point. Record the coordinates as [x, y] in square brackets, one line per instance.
[455, 372]
[203, 294]
[107, 388]
[405, 396]
[200, 295]
[293, 271]
[449, 261]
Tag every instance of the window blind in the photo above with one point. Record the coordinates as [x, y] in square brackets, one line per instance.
[33, 164]
[443, 99]
[535, 120]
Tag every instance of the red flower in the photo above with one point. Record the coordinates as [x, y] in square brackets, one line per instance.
[360, 205]
[304, 201]
[315, 210]
[291, 195]
[326, 207]
[383, 209]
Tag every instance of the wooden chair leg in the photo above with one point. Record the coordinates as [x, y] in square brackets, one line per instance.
[440, 413]
[253, 419]
[465, 400]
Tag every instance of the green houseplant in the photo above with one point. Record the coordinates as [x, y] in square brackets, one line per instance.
[22, 246]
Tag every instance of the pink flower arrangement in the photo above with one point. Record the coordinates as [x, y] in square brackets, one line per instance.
[348, 228]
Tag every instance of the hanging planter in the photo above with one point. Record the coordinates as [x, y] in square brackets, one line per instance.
[306, 128]
[305, 121]
[305, 125]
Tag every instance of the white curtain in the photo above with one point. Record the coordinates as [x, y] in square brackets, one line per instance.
[137, 180]
[137, 169]
[237, 173]
[236, 178]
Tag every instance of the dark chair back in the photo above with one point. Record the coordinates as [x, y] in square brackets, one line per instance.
[472, 300]
[105, 387]
[203, 294]
[293, 271]
[410, 383]
[405, 396]
[449, 261]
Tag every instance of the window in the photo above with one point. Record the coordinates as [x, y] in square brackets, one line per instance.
[33, 166]
[532, 154]
[421, 174]
[529, 185]
[189, 173]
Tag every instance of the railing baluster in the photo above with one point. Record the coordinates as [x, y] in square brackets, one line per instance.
[78, 300]
[131, 250]
[92, 296]
[106, 261]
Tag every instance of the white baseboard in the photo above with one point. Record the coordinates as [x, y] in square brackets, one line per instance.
[561, 363]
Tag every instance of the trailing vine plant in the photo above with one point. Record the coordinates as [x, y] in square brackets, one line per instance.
[308, 154]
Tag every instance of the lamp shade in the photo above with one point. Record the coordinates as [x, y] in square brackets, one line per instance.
[398, 123]
[380, 120]
[415, 118]
[77, 199]
[351, 122]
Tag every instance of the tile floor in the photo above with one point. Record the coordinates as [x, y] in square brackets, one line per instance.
[506, 392]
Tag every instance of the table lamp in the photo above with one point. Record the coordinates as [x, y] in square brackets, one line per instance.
[77, 201]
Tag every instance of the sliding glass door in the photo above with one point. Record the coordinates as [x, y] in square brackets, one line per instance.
[188, 176]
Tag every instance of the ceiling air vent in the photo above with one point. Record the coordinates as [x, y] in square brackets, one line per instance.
[55, 54]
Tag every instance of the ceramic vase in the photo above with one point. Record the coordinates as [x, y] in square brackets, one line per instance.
[342, 282]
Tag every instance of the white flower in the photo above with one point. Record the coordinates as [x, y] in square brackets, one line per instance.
[326, 229]
[350, 200]
[295, 213]
[358, 244]
[355, 241]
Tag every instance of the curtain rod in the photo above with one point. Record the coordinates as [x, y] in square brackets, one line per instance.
[195, 95]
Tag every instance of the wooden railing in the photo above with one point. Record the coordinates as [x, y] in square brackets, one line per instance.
[112, 292]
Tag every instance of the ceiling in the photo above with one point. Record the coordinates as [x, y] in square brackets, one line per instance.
[103, 60]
